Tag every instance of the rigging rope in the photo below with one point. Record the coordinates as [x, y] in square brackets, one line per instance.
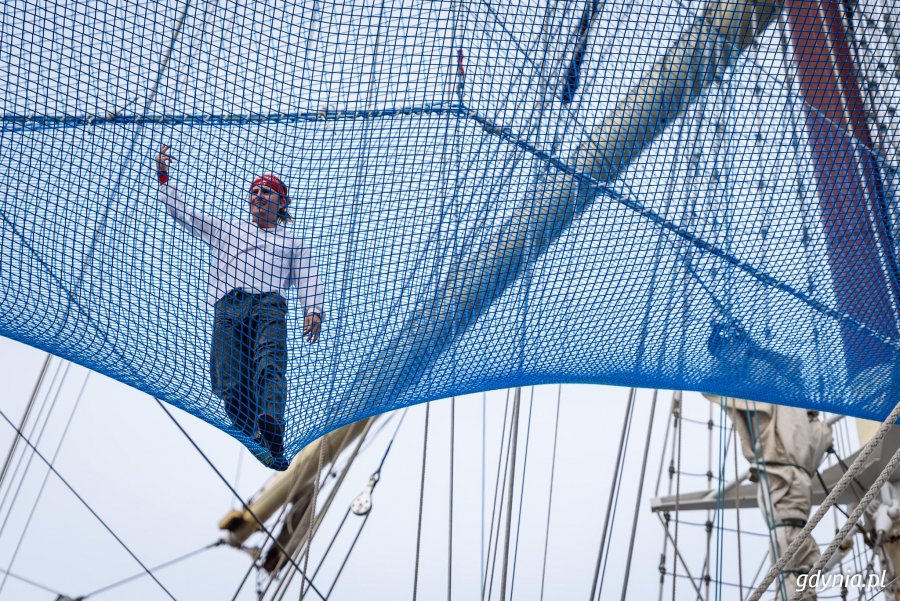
[301, 549]
[312, 514]
[725, 439]
[155, 568]
[510, 490]
[487, 585]
[550, 492]
[22, 465]
[839, 488]
[243, 581]
[853, 520]
[375, 478]
[678, 433]
[613, 493]
[28, 407]
[421, 502]
[677, 557]
[46, 478]
[34, 584]
[638, 497]
[84, 503]
[737, 514]
[246, 507]
[512, 586]
[450, 508]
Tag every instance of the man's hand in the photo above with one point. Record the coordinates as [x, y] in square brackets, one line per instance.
[163, 158]
[312, 325]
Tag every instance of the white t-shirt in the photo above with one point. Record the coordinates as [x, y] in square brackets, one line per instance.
[247, 256]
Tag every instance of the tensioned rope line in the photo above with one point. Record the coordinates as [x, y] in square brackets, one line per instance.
[12, 448]
[112, 191]
[316, 519]
[262, 526]
[487, 583]
[33, 583]
[856, 483]
[300, 540]
[758, 572]
[155, 568]
[302, 549]
[678, 557]
[613, 492]
[312, 513]
[22, 464]
[421, 502]
[365, 439]
[85, 504]
[676, 444]
[737, 513]
[340, 570]
[853, 520]
[482, 565]
[824, 486]
[882, 589]
[510, 490]
[246, 507]
[515, 562]
[164, 63]
[376, 477]
[788, 554]
[639, 496]
[724, 442]
[666, 440]
[450, 508]
[46, 478]
[550, 492]
[302, 545]
[243, 581]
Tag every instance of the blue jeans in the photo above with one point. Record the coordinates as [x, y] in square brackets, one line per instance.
[248, 357]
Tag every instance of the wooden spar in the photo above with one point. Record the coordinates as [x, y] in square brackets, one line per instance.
[851, 193]
[700, 54]
[479, 275]
[294, 484]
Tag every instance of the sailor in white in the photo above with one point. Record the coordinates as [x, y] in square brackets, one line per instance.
[252, 264]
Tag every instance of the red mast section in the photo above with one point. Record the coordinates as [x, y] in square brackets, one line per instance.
[851, 193]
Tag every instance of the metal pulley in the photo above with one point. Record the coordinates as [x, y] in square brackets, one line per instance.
[362, 504]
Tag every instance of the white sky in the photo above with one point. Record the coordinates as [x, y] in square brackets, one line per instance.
[138, 472]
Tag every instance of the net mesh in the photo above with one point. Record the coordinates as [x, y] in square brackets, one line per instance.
[690, 195]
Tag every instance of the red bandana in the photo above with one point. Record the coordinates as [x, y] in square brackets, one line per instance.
[270, 181]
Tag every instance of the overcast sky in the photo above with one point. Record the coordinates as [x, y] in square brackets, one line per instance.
[139, 473]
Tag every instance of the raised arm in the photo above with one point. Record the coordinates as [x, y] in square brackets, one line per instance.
[197, 223]
[310, 290]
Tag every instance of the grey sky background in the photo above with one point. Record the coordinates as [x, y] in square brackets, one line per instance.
[140, 474]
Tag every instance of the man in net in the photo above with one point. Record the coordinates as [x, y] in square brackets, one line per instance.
[253, 263]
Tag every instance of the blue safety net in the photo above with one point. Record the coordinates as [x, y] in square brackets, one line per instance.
[688, 195]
